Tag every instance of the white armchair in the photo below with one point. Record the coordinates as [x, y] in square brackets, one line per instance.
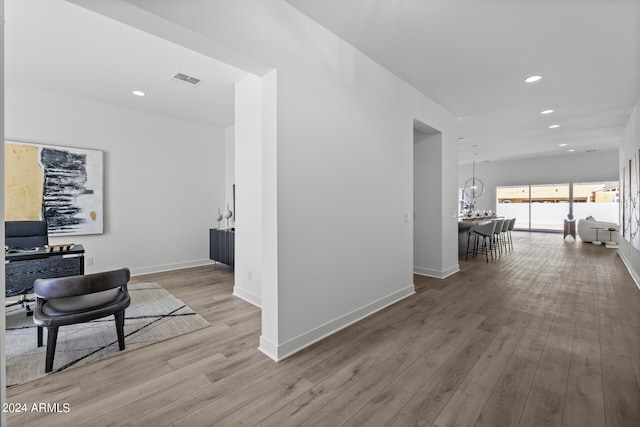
[590, 230]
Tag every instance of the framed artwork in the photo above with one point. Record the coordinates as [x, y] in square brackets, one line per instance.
[62, 185]
[630, 190]
[624, 201]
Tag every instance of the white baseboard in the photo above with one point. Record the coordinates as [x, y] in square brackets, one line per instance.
[268, 348]
[436, 273]
[168, 267]
[631, 271]
[282, 351]
[249, 297]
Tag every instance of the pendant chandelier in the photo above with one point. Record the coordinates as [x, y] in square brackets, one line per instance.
[474, 187]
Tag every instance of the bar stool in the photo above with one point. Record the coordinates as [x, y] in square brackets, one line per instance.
[512, 223]
[496, 236]
[483, 231]
[503, 233]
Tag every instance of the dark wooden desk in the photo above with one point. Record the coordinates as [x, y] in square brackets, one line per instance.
[23, 268]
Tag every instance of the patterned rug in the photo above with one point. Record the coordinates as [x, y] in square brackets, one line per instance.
[154, 315]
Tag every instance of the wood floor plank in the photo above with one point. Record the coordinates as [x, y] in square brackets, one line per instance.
[238, 390]
[621, 391]
[427, 403]
[584, 404]
[436, 347]
[193, 400]
[632, 333]
[345, 405]
[305, 406]
[507, 399]
[139, 405]
[545, 403]
[506, 403]
[466, 404]
[543, 408]
[256, 410]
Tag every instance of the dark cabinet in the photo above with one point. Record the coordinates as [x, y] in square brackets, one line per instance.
[222, 246]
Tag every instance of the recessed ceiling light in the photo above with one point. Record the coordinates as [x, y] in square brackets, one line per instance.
[532, 79]
[571, 150]
[547, 111]
[475, 146]
[138, 93]
[461, 139]
[562, 145]
[591, 151]
[554, 126]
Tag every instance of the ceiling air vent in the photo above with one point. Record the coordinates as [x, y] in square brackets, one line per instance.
[185, 79]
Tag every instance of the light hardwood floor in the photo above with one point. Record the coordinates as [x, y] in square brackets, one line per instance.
[549, 334]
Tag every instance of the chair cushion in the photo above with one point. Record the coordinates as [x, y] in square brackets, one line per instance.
[485, 228]
[79, 304]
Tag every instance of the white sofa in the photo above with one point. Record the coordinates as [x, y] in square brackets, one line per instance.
[587, 229]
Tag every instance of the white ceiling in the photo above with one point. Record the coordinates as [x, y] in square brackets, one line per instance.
[470, 56]
[58, 46]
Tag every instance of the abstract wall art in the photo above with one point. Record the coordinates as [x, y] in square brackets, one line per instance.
[630, 191]
[62, 185]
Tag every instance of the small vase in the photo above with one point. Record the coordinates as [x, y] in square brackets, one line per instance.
[219, 218]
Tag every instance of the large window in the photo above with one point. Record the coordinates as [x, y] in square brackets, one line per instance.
[544, 207]
[600, 200]
[513, 202]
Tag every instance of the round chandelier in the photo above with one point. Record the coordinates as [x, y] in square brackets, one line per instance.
[474, 187]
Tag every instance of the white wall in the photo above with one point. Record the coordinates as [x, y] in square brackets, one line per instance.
[248, 173]
[629, 146]
[229, 173]
[566, 168]
[344, 159]
[164, 178]
[427, 199]
[270, 262]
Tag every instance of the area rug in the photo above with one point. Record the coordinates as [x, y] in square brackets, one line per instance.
[154, 315]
